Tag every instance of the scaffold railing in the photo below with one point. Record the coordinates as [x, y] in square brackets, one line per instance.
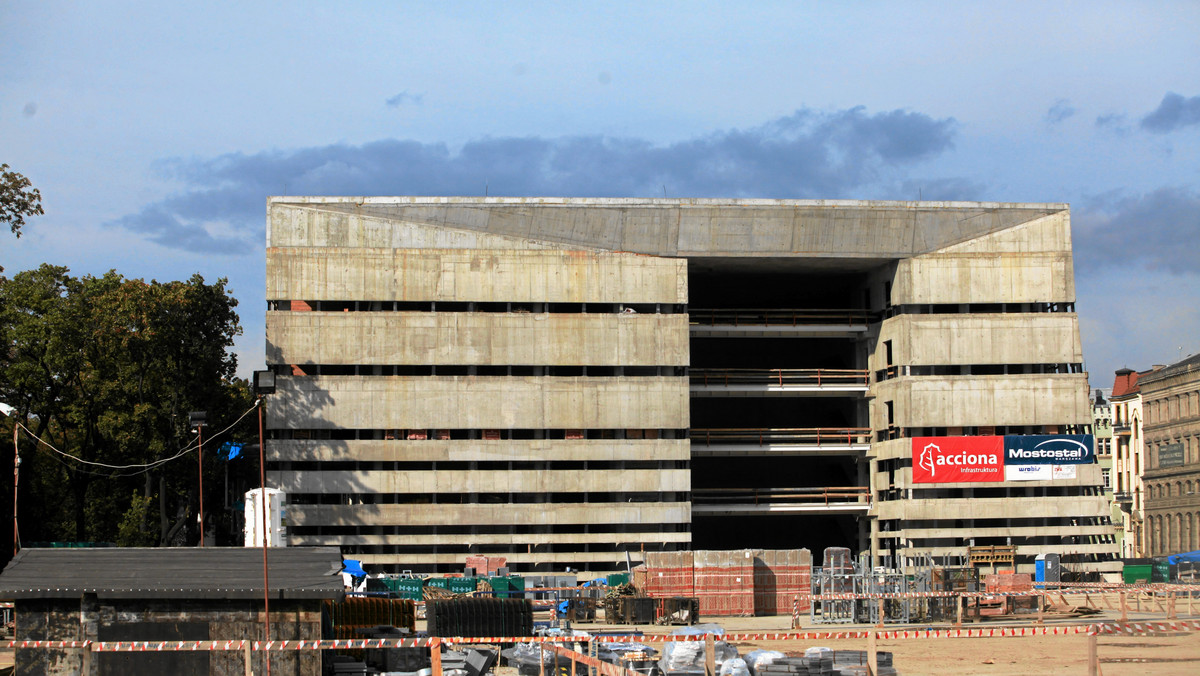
[777, 317]
[764, 436]
[779, 377]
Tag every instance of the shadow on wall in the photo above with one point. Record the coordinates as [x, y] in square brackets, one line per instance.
[297, 435]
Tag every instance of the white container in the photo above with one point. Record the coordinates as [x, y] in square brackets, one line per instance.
[276, 518]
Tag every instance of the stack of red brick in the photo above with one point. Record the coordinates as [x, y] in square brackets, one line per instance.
[487, 565]
[1002, 583]
[739, 582]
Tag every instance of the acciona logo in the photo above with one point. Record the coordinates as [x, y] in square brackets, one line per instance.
[932, 457]
[926, 460]
[955, 459]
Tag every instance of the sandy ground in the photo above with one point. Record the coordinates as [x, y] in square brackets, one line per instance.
[1172, 654]
[1164, 654]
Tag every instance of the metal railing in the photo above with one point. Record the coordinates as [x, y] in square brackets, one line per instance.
[779, 377]
[763, 436]
[827, 495]
[776, 317]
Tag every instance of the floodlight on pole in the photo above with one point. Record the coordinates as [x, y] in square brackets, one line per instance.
[196, 420]
[8, 411]
[264, 384]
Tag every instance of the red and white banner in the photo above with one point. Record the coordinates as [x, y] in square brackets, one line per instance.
[940, 460]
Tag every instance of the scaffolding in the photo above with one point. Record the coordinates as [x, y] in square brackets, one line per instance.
[842, 575]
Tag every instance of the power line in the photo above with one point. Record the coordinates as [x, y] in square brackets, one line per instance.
[139, 468]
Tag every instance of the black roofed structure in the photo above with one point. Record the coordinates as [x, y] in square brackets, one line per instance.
[167, 594]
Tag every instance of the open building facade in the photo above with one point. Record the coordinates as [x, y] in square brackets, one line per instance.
[571, 382]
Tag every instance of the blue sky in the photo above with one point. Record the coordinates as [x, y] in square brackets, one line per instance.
[156, 131]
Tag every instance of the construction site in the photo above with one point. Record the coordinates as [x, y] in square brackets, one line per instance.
[582, 384]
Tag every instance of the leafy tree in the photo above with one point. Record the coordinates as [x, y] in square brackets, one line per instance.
[107, 369]
[18, 199]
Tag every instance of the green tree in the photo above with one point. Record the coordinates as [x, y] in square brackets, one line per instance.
[18, 199]
[107, 369]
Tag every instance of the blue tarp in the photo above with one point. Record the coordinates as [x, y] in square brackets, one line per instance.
[231, 450]
[354, 567]
[1189, 557]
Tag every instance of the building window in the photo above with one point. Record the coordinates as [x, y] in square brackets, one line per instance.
[1106, 473]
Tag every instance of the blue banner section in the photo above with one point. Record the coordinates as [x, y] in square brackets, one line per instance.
[1049, 449]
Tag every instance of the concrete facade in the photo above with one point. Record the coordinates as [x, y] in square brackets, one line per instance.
[1171, 403]
[565, 381]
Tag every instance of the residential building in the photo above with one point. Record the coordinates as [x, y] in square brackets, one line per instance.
[1103, 432]
[568, 382]
[1171, 405]
[1129, 462]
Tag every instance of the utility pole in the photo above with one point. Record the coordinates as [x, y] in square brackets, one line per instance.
[16, 477]
[197, 418]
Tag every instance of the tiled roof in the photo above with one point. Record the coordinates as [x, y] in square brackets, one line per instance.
[1126, 383]
[173, 572]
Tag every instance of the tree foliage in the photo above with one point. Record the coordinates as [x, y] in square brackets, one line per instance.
[18, 199]
[107, 369]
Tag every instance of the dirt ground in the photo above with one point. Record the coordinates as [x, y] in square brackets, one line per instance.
[1172, 654]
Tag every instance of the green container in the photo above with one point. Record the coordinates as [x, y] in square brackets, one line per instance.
[439, 582]
[1160, 571]
[406, 588]
[618, 579]
[1136, 573]
[461, 585]
[510, 586]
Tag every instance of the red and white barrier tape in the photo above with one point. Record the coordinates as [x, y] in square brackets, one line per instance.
[1143, 627]
[345, 644]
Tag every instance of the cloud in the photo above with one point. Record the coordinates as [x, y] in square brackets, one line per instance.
[1117, 122]
[1173, 113]
[403, 98]
[1155, 231]
[808, 154]
[1061, 110]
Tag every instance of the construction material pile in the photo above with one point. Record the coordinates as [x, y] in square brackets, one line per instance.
[827, 663]
[479, 617]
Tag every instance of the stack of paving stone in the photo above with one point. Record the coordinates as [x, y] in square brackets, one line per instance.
[854, 663]
[828, 663]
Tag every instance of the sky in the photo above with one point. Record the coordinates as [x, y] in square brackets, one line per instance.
[156, 131]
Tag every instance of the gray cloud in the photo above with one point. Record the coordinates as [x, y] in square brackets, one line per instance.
[809, 154]
[1061, 110]
[1117, 122]
[403, 98]
[1174, 112]
[1155, 231]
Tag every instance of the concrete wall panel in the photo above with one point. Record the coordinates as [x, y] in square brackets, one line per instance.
[967, 401]
[985, 278]
[702, 227]
[480, 450]
[1025, 338]
[483, 481]
[484, 338]
[1048, 234]
[478, 402]
[481, 276]
[515, 515]
[1001, 508]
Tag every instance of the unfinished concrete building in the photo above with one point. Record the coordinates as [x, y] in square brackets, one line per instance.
[565, 381]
